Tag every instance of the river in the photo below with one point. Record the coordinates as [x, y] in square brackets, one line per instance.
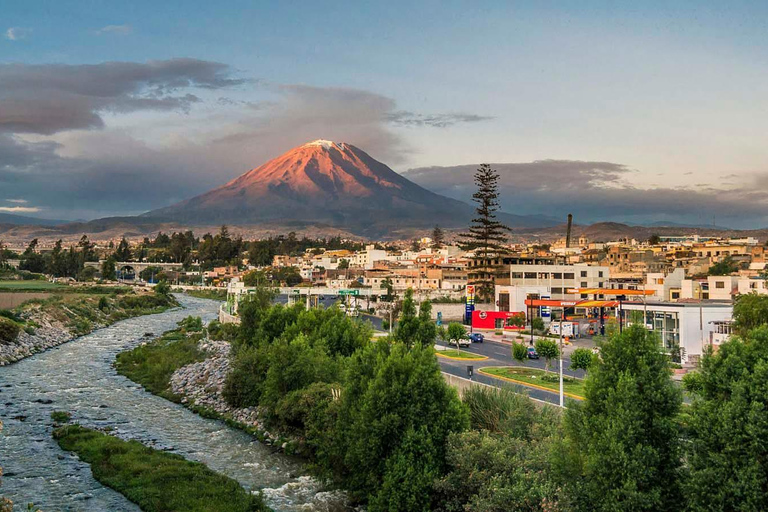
[78, 377]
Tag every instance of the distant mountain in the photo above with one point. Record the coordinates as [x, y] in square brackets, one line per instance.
[22, 220]
[332, 184]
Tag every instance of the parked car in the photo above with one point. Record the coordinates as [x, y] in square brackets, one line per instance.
[476, 337]
[461, 342]
[532, 354]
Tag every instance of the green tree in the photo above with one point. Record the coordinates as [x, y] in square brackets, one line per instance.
[123, 251]
[387, 284]
[152, 274]
[624, 438]
[31, 260]
[547, 349]
[728, 427]
[749, 312]
[582, 359]
[395, 415]
[455, 332]
[498, 473]
[427, 332]
[724, 267]
[519, 352]
[537, 324]
[408, 323]
[486, 235]
[343, 264]
[162, 288]
[654, 240]
[108, 271]
[438, 238]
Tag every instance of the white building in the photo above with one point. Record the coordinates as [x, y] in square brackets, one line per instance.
[558, 279]
[365, 259]
[689, 326]
[512, 298]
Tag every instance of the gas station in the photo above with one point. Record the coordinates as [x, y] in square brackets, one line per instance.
[594, 309]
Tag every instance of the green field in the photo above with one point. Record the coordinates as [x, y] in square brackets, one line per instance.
[155, 480]
[469, 356]
[535, 376]
[31, 286]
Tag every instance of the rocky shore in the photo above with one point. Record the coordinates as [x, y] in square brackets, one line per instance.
[49, 334]
[200, 387]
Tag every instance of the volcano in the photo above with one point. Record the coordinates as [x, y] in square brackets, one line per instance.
[325, 182]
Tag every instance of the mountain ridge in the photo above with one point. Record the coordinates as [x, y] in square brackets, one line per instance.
[332, 183]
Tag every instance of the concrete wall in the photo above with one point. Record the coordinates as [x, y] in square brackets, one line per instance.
[226, 318]
[455, 312]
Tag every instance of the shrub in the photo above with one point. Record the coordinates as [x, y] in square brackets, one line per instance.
[9, 330]
[499, 410]
[191, 324]
[61, 416]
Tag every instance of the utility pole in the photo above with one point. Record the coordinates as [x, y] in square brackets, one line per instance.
[562, 401]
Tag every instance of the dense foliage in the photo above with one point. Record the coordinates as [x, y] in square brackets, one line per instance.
[60, 262]
[728, 427]
[374, 416]
[624, 437]
[750, 311]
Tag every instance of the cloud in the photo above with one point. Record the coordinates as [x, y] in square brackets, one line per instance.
[19, 209]
[406, 118]
[118, 30]
[598, 191]
[17, 201]
[49, 98]
[17, 33]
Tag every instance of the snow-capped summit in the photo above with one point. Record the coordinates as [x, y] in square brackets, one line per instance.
[321, 182]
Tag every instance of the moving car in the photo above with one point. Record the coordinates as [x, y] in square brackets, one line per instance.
[476, 337]
[461, 342]
[532, 354]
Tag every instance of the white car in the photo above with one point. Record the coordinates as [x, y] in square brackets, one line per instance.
[461, 342]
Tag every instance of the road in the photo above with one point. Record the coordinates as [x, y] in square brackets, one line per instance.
[500, 354]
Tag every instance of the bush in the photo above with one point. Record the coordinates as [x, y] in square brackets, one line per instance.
[243, 385]
[9, 330]
[499, 410]
[223, 332]
[191, 324]
[61, 416]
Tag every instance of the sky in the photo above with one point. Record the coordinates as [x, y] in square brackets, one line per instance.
[637, 112]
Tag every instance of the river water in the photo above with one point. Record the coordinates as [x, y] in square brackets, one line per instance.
[78, 377]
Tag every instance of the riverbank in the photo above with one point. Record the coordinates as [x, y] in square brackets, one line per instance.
[155, 480]
[190, 369]
[41, 324]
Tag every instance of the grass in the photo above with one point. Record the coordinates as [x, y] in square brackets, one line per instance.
[455, 354]
[156, 481]
[153, 364]
[536, 377]
[29, 286]
[214, 294]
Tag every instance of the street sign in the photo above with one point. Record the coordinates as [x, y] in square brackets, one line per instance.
[439, 318]
[349, 292]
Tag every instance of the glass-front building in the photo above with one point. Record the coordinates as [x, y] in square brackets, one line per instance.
[683, 327]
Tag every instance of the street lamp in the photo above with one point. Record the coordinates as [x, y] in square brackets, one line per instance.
[562, 314]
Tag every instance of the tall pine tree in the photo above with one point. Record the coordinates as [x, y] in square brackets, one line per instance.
[487, 235]
[438, 237]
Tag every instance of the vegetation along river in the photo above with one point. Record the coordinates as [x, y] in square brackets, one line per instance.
[78, 377]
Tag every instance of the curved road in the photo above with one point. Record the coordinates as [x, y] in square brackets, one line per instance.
[500, 354]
